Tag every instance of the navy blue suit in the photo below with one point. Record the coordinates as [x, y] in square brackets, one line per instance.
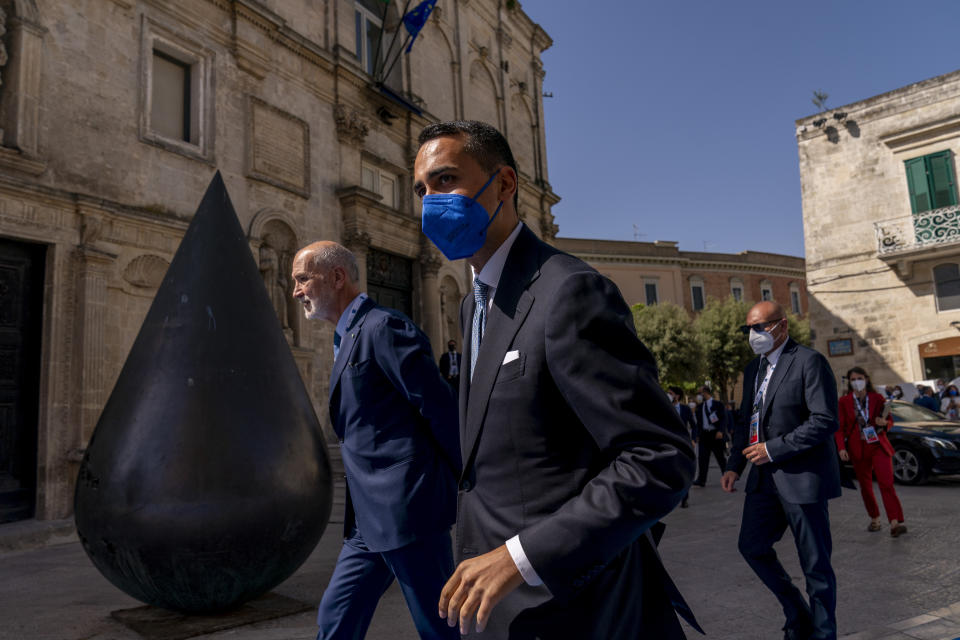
[798, 420]
[397, 423]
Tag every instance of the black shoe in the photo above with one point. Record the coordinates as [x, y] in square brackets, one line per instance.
[684, 503]
[803, 632]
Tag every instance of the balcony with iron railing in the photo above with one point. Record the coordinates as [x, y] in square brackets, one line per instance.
[919, 236]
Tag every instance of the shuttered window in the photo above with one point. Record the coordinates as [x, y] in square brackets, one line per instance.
[931, 181]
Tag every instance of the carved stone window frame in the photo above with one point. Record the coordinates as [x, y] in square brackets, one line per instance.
[155, 36]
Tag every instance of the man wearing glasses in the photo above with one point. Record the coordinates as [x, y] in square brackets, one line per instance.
[790, 403]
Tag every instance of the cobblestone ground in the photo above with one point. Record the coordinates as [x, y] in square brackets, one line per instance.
[54, 593]
[881, 580]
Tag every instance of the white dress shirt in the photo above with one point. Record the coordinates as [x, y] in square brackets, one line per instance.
[490, 276]
[707, 405]
[493, 269]
[772, 359]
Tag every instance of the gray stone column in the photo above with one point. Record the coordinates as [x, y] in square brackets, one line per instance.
[20, 115]
[359, 243]
[430, 296]
[93, 268]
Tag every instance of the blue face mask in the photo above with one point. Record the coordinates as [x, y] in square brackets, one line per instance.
[457, 224]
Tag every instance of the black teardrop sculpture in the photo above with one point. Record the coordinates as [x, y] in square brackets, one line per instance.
[206, 481]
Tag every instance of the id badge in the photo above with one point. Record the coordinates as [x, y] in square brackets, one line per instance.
[755, 428]
[871, 435]
[713, 417]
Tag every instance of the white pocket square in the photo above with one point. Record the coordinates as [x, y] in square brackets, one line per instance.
[510, 357]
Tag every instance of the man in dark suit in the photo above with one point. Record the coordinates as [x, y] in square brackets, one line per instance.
[675, 394]
[396, 420]
[711, 434]
[450, 365]
[790, 402]
[571, 450]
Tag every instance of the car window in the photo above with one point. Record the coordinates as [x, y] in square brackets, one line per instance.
[913, 413]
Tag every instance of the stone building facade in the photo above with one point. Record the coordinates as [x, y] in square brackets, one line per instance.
[115, 115]
[651, 272]
[880, 218]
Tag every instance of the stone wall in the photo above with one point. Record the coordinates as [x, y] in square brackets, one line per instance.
[852, 177]
[285, 110]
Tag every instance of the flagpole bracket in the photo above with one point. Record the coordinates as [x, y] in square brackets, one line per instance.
[384, 112]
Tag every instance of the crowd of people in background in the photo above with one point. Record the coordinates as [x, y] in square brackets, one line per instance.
[864, 416]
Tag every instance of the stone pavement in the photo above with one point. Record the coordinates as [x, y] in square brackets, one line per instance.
[890, 589]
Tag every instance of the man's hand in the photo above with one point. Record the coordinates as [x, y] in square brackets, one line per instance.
[757, 453]
[728, 481]
[844, 455]
[719, 435]
[476, 587]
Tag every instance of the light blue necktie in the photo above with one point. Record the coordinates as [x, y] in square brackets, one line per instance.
[480, 291]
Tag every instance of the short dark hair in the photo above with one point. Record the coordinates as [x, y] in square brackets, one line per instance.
[484, 143]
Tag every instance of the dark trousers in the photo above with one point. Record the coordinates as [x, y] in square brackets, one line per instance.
[709, 444]
[361, 576]
[766, 517]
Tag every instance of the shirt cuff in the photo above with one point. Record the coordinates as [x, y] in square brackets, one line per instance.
[523, 565]
[767, 449]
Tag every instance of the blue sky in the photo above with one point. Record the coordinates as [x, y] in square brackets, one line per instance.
[678, 116]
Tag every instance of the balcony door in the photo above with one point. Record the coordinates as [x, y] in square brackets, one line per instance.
[932, 184]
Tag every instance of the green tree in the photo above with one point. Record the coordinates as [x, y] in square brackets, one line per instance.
[725, 350]
[799, 328]
[667, 331]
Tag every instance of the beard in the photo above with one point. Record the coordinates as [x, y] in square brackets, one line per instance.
[311, 308]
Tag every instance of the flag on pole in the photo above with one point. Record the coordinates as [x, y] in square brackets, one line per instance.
[415, 20]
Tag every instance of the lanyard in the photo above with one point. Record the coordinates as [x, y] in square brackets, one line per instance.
[864, 409]
[762, 389]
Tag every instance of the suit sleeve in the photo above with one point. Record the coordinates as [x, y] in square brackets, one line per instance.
[405, 357]
[820, 397]
[610, 382]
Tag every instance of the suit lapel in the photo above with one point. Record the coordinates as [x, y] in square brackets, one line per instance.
[511, 304]
[347, 344]
[783, 366]
[466, 321]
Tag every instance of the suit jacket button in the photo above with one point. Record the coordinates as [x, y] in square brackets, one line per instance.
[466, 485]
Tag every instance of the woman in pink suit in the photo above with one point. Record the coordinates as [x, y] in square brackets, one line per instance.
[862, 439]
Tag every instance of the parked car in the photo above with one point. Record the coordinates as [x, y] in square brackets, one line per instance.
[925, 443]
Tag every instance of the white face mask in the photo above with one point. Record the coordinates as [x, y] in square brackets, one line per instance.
[761, 341]
[858, 385]
[897, 394]
[692, 405]
[672, 397]
[699, 398]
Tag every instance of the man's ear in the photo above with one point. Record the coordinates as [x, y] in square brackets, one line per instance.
[508, 183]
[339, 278]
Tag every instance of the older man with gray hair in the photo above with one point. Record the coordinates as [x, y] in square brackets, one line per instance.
[396, 419]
